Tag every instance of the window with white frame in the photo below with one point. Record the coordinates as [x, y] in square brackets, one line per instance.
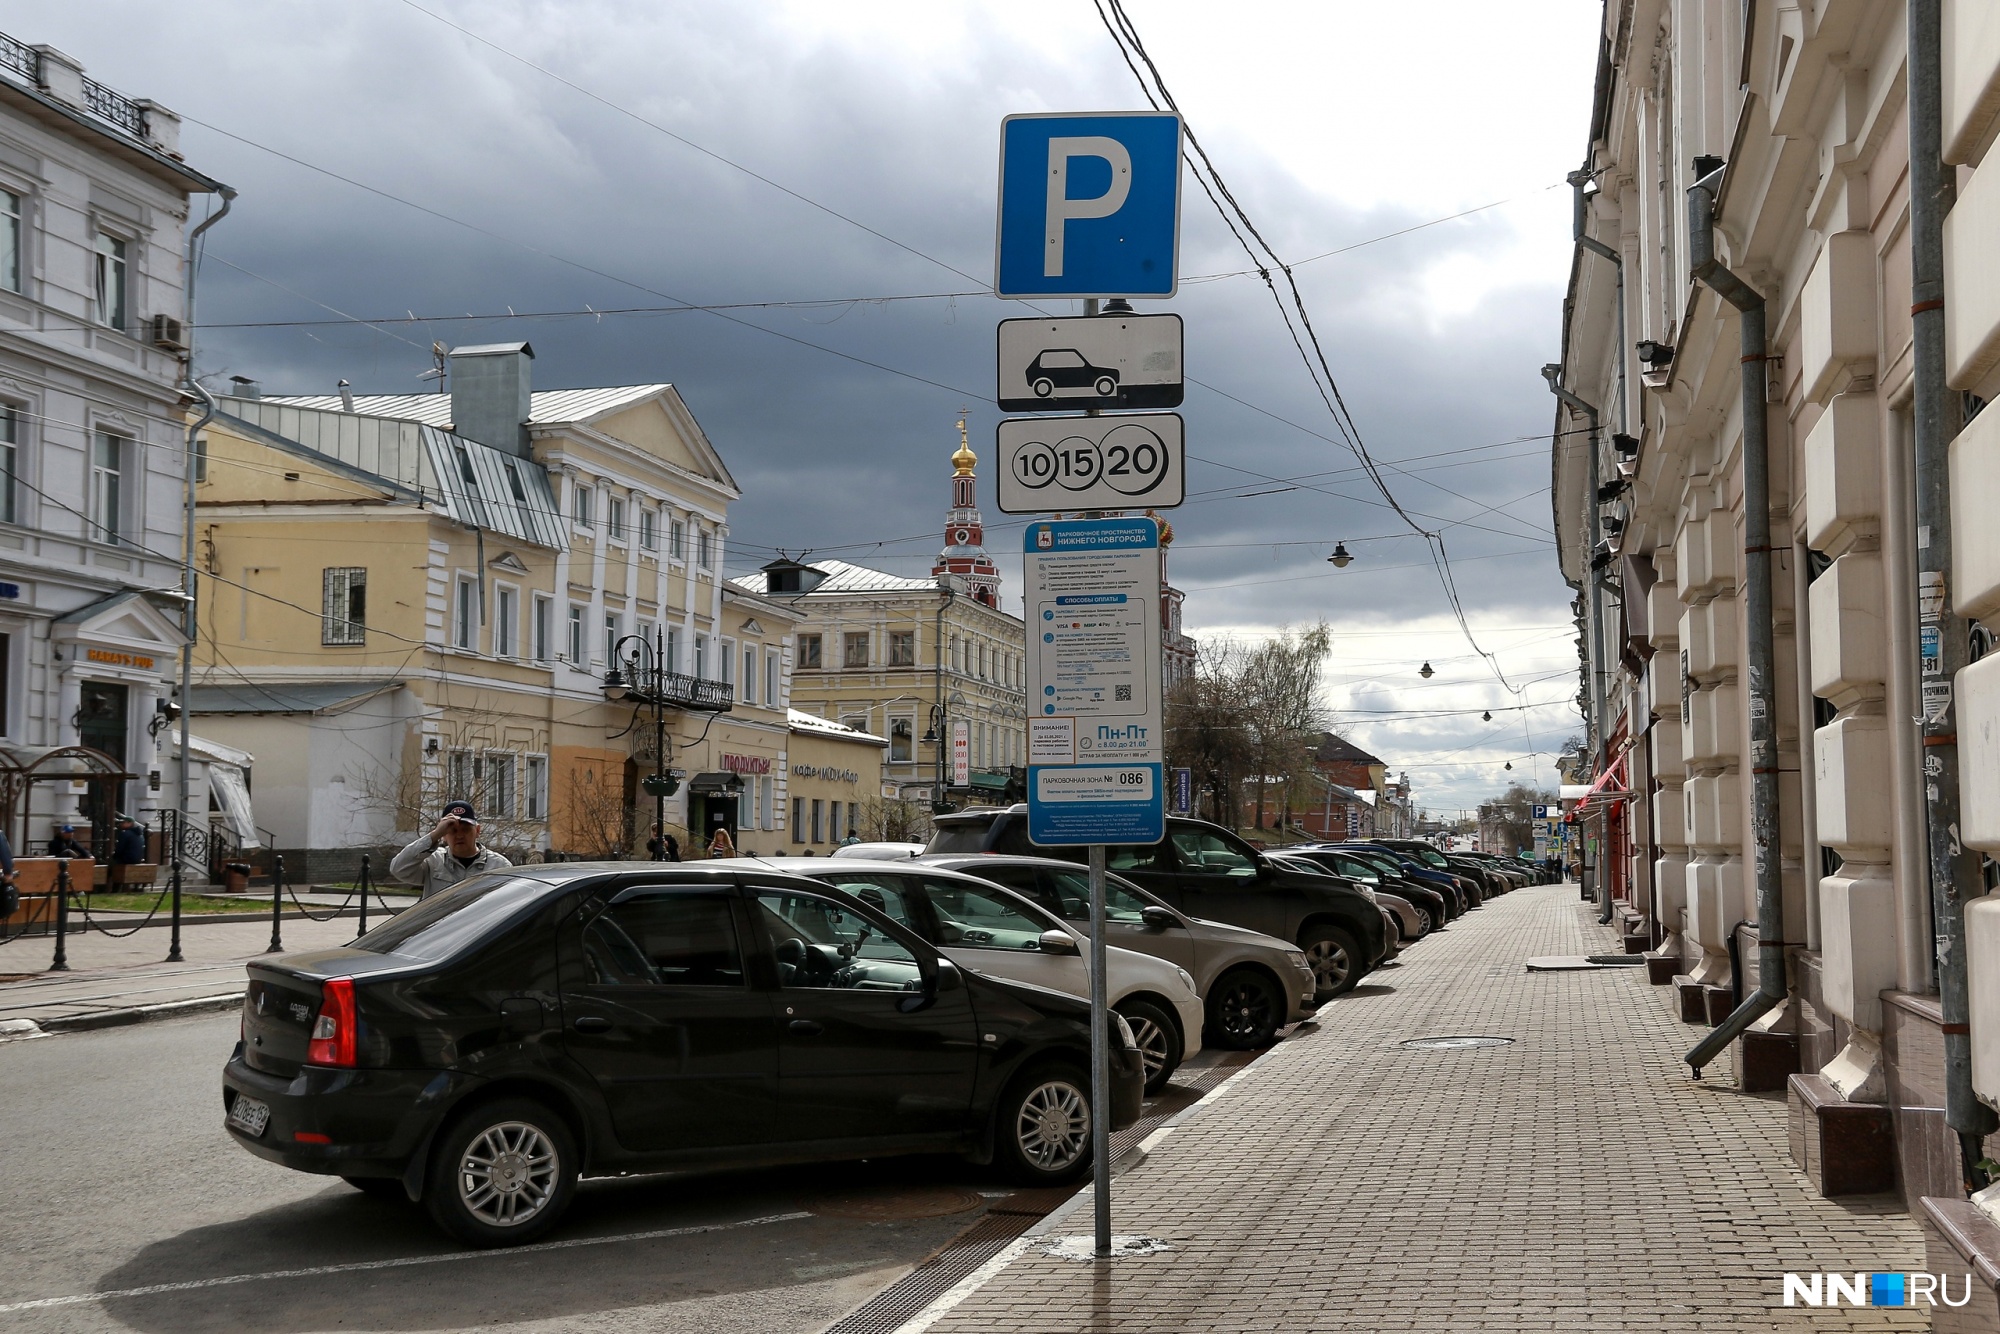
[610, 635]
[542, 633]
[109, 273]
[10, 463]
[701, 657]
[767, 786]
[677, 542]
[705, 549]
[535, 787]
[649, 529]
[107, 487]
[902, 648]
[857, 721]
[500, 795]
[673, 648]
[579, 504]
[10, 240]
[727, 653]
[461, 776]
[772, 671]
[344, 605]
[575, 645]
[750, 674]
[901, 734]
[506, 619]
[811, 652]
[746, 806]
[854, 649]
[798, 819]
[465, 616]
[614, 518]
[200, 459]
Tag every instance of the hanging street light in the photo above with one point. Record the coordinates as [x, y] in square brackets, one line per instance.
[1486, 717]
[1341, 558]
[1426, 672]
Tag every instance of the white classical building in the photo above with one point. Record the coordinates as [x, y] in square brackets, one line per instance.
[1800, 129]
[94, 202]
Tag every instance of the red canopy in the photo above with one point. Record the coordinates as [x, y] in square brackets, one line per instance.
[1610, 786]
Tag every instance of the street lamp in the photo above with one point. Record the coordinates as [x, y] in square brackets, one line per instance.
[1341, 558]
[1426, 672]
[645, 682]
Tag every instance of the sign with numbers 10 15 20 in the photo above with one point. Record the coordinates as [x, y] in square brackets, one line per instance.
[1057, 464]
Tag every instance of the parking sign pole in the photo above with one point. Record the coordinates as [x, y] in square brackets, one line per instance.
[1100, 1057]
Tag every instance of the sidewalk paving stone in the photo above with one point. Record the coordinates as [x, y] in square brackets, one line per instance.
[1577, 1179]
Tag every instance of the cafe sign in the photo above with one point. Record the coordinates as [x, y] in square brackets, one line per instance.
[826, 771]
[114, 658]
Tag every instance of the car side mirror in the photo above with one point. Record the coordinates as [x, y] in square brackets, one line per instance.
[1059, 942]
[937, 976]
[1157, 918]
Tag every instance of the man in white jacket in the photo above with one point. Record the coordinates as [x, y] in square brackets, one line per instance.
[448, 854]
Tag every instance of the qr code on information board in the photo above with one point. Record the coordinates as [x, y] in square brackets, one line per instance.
[1122, 694]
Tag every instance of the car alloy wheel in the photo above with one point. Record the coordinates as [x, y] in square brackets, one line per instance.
[1155, 1044]
[1052, 1129]
[1332, 961]
[508, 1173]
[1245, 1010]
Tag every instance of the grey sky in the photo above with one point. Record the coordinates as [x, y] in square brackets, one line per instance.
[1334, 122]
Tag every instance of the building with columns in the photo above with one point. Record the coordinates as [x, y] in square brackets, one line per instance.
[1799, 128]
[94, 205]
[912, 660]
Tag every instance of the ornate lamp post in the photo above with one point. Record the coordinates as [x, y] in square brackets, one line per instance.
[644, 679]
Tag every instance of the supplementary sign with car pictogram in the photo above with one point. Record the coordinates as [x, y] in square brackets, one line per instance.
[1090, 361]
[1051, 464]
[1090, 205]
[1094, 736]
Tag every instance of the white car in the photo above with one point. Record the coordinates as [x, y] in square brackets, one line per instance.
[878, 852]
[989, 929]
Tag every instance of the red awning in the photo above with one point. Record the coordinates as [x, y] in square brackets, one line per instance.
[1610, 786]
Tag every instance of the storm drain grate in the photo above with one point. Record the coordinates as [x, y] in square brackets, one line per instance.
[891, 1308]
[1456, 1043]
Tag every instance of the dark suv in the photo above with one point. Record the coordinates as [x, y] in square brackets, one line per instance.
[483, 1049]
[1206, 871]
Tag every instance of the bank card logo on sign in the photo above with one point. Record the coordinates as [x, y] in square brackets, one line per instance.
[1089, 205]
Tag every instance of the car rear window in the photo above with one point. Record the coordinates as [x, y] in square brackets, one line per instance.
[959, 836]
[443, 923]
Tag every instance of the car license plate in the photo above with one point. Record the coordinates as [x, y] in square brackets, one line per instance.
[249, 1116]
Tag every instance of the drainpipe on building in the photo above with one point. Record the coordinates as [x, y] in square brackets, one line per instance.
[1757, 604]
[1941, 635]
[190, 620]
[1593, 594]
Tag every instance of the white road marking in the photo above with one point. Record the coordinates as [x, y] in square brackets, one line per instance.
[361, 1266]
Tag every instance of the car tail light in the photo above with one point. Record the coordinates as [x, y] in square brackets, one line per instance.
[333, 1031]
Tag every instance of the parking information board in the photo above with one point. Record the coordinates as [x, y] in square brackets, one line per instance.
[1088, 463]
[1094, 736]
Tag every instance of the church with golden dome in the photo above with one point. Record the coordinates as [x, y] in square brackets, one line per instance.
[964, 553]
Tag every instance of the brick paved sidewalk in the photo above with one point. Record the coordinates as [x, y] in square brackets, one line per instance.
[1577, 1180]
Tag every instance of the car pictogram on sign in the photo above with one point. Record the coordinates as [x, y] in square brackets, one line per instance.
[1064, 368]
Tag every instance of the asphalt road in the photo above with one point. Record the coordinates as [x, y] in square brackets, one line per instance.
[127, 1207]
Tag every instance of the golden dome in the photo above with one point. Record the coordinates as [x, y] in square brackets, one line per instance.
[964, 461]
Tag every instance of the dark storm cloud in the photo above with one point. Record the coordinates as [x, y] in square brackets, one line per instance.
[834, 455]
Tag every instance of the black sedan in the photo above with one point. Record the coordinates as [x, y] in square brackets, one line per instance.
[484, 1049]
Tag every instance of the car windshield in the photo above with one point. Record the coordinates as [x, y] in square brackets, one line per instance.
[976, 918]
[443, 923]
[1431, 857]
[1073, 893]
[960, 836]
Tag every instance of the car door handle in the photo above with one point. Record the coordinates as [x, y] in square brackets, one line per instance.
[807, 1028]
[592, 1023]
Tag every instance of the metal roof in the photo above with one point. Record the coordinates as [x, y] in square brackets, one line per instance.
[283, 697]
[475, 484]
[844, 578]
[546, 407]
[800, 721]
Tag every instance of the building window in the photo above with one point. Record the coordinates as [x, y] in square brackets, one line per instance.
[701, 657]
[465, 616]
[499, 797]
[614, 519]
[726, 652]
[460, 776]
[200, 459]
[673, 649]
[110, 280]
[520, 493]
[506, 605]
[649, 529]
[899, 740]
[809, 652]
[771, 693]
[543, 632]
[576, 636]
[610, 636]
[705, 549]
[750, 674]
[857, 721]
[678, 540]
[798, 819]
[344, 605]
[107, 484]
[535, 792]
[10, 462]
[10, 240]
[854, 649]
[766, 786]
[902, 648]
[819, 820]
[579, 505]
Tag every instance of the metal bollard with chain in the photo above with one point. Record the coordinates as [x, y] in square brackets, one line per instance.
[61, 962]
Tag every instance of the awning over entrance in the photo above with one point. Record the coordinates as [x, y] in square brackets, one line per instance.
[715, 784]
[1610, 787]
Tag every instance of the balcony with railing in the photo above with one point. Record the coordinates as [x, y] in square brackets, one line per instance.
[116, 110]
[679, 690]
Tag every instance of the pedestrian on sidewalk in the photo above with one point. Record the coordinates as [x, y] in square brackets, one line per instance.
[448, 854]
[64, 844]
[721, 845]
[662, 847]
[10, 897]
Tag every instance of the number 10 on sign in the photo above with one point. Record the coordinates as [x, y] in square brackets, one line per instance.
[1053, 464]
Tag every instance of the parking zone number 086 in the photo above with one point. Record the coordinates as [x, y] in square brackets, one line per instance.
[1132, 460]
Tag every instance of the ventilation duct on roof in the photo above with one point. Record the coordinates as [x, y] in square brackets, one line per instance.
[490, 395]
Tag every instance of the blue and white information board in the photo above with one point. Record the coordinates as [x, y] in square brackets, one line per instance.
[1090, 205]
[1094, 736]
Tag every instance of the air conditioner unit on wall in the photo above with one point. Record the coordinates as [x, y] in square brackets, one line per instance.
[167, 334]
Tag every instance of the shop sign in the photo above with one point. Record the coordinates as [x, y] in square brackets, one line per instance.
[747, 764]
[113, 658]
[826, 771]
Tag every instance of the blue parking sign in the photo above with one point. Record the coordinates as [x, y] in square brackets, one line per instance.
[1090, 205]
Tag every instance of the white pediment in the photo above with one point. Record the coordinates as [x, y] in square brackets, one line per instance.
[126, 621]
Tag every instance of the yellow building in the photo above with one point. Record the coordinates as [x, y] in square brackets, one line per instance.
[417, 597]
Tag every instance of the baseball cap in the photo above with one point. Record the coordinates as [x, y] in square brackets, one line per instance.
[462, 809]
[66, 829]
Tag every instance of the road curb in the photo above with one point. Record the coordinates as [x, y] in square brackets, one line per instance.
[139, 1014]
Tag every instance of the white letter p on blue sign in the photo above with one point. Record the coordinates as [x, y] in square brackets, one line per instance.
[1089, 205]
